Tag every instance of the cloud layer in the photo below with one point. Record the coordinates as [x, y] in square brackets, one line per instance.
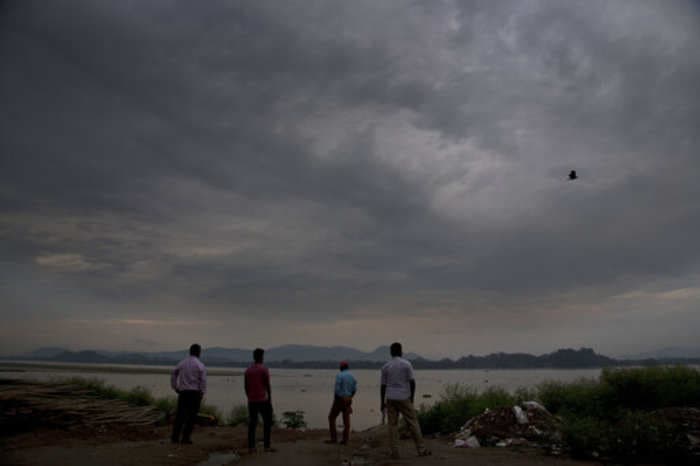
[350, 172]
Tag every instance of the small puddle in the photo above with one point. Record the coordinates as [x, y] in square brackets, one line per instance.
[221, 459]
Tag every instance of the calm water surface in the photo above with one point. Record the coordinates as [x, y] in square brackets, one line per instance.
[312, 390]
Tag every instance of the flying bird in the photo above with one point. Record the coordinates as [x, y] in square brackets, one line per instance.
[573, 175]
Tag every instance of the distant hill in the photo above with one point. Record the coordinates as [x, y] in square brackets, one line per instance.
[48, 352]
[218, 355]
[322, 357]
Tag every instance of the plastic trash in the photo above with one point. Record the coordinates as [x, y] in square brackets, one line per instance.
[520, 415]
[533, 405]
[473, 442]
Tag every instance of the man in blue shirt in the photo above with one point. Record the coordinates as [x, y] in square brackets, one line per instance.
[345, 388]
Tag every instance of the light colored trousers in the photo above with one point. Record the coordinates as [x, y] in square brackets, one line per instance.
[406, 409]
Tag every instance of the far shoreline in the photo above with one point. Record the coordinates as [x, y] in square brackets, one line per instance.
[39, 366]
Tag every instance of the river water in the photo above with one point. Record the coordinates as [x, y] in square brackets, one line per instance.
[311, 390]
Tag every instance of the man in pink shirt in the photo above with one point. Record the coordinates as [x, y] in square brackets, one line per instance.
[257, 389]
[189, 380]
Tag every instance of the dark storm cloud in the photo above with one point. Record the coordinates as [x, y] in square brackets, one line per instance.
[298, 158]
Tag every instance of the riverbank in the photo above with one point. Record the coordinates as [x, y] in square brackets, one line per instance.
[46, 425]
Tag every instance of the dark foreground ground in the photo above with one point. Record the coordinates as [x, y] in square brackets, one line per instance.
[293, 448]
[62, 424]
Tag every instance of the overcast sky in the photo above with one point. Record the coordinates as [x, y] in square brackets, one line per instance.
[254, 173]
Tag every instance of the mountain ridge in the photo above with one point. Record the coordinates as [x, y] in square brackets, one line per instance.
[320, 357]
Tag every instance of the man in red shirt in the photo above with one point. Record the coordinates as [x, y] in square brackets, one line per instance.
[257, 389]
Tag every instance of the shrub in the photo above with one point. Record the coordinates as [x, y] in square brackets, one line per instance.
[616, 416]
[652, 388]
[457, 404]
[94, 386]
[212, 411]
[167, 405]
[293, 419]
[585, 435]
[636, 436]
[138, 396]
[583, 398]
[238, 415]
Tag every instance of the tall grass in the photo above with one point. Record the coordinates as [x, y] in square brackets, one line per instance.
[238, 415]
[459, 403]
[618, 390]
[616, 415]
[137, 396]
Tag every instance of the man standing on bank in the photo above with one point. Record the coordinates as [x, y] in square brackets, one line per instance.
[189, 380]
[345, 388]
[398, 389]
[257, 389]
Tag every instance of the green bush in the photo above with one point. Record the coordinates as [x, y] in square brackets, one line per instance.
[94, 386]
[586, 435]
[167, 405]
[652, 388]
[293, 419]
[583, 398]
[457, 404]
[615, 416]
[636, 436]
[138, 396]
[238, 415]
[617, 390]
[211, 410]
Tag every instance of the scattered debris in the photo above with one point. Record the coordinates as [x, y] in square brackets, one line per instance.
[470, 442]
[688, 420]
[520, 415]
[528, 424]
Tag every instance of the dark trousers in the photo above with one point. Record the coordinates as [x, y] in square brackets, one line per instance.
[340, 405]
[263, 408]
[188, 402]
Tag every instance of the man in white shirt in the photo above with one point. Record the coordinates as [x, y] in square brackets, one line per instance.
[398, 389]
[189, 380]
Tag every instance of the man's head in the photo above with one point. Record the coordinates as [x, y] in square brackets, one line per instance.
[258, 355]
[195, 350]
[396, 349]
[344, 365]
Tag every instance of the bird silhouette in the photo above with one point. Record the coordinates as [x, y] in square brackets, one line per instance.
[573, 175]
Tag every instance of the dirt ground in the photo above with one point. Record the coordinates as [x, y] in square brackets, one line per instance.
[47, 424]
[293, 448]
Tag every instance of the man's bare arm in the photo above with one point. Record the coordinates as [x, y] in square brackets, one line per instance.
[413, 389]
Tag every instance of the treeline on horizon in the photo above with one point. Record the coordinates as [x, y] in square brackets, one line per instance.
[560, 359]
